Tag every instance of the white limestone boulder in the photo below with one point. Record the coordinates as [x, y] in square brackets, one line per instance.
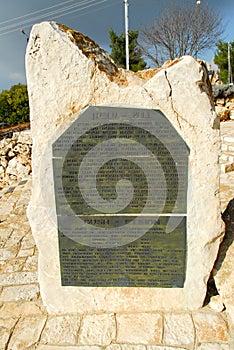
[66, 73]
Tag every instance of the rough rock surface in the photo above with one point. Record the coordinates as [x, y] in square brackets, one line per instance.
[223, 270]
[15, 157]
[224, 101]
[222, 90]
[66, 72]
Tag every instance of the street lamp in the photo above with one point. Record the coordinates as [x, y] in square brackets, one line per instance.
[126, 34]
[230, 79]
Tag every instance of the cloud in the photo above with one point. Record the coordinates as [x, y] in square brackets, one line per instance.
[16, 75]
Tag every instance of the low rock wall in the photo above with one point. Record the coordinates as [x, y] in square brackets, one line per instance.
[15, 156]
[224, 101]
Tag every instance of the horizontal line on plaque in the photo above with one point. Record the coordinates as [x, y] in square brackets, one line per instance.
[176, 215]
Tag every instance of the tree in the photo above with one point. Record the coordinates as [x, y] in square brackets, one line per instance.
[118, 53]
[14, 105]
[221, 59]
[181, 30]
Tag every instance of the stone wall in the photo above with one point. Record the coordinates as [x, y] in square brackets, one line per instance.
[224, 101]
[15, 156]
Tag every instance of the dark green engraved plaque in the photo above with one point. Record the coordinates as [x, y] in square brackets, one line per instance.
[120, 178]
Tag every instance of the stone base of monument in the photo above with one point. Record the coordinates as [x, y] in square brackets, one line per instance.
[125, 205]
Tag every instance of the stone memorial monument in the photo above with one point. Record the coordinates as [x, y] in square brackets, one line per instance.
[98, 219]
[125, 199]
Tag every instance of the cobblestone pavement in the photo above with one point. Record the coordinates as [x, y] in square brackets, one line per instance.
[25, 324]
[227, 159]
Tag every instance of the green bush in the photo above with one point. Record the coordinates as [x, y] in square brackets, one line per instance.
[14, 105]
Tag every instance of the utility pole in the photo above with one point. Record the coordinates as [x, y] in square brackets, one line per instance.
[230, 80]
[126, 34]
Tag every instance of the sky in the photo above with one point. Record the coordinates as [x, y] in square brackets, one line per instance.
[91, 17]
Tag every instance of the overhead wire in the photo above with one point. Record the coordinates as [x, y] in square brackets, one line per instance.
[55, 14]
[100, 8]
[35, 12]
[47, 14]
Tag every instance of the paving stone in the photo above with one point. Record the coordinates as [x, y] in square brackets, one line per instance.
[178, 329]
[5, 233]
[140, 328]
[210, 327]
[159, 347]
[6, 208]
[6, 328]
[97, 330]
[23, 292]
[12, 265]
[7, 279]
[125, 347]
[226, 189]
[8, 253]
[4, 337]
[26, 252]
[15, 238]
[61, 330]
[114, 347]
[214, 347]
[8, 323]
[31, 263]
[21, 308]
[28, 242]
[55, 347]
[26, 333]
